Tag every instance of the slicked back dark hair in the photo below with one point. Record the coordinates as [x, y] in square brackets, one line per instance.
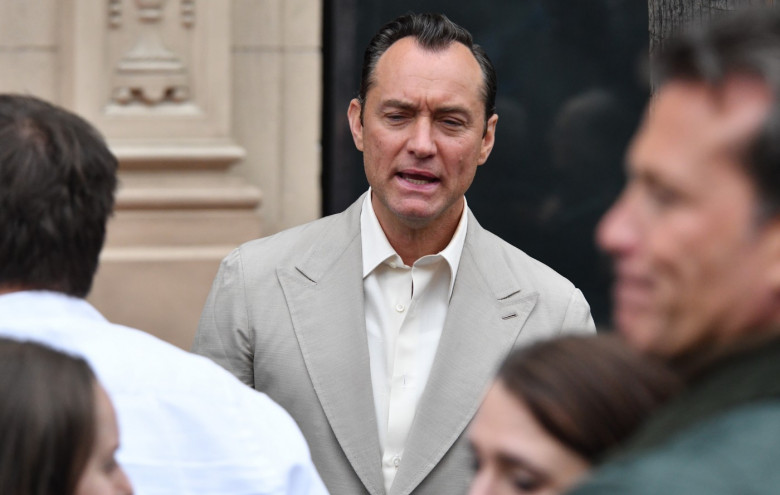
[433, 32]
[57, 183]
[745, 42]
[47, 419]
[589, 392]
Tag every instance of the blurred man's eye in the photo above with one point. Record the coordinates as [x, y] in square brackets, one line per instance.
[110, 465]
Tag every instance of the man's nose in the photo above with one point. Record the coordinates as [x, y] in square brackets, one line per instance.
[617, 232]
[122, 483]
[422, 142]
[483, 483]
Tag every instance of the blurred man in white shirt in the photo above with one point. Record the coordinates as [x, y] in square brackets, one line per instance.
[187, 426]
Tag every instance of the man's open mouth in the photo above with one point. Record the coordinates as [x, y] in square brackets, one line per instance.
[418, 179]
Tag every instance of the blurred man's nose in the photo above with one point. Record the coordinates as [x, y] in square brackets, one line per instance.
[483, 483]
[123, 484]
[617, 233]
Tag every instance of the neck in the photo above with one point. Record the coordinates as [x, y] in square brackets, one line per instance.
[695, 363]
[412, 241]
[8, 289]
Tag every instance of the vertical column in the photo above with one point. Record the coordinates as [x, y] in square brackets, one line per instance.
[277, 55]
[28, 48]
[155, 77]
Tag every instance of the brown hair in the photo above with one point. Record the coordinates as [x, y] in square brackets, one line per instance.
[47, 419]
[590, 392]
[745, 42]
[57, 182]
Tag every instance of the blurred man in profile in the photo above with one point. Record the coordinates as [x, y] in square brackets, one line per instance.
[177, 412]
[695, 239]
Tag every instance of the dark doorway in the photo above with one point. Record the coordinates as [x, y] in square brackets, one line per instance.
[569, 98]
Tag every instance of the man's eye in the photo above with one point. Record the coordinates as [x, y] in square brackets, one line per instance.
[526, 482]
[395, 117]
[452, 123]
[663, 196]
[110, 465]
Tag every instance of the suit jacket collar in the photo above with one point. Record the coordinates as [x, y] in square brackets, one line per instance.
[324, 293]
[487, 310]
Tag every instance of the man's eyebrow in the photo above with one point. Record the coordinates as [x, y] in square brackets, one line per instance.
[645, 176]
[400, 104]
[453, 109]
[407, 105]
[518, 462]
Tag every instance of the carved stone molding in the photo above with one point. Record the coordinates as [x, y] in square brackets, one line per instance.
[114, 13]
[188, 13]
[149, 72]
[157, 82]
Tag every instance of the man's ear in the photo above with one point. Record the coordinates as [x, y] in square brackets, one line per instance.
[770, 267]
[488, 139]
[355, 125]
[771, 252]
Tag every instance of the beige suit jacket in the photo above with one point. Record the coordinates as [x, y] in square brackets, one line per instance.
[285, 315]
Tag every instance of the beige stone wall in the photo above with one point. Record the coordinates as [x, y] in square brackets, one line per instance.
[245, 164]
[28, 47]
[277, 107]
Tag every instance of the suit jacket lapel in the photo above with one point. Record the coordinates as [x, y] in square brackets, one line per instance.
[324, 294]
[486, 313]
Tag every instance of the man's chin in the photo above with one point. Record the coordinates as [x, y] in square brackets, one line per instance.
[639, 331]
[417, 214]
[415, 219]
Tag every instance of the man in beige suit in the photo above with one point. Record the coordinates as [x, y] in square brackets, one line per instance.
[379, 328]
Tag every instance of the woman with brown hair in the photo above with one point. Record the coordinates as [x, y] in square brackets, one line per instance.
[58, 431]
[557, 407]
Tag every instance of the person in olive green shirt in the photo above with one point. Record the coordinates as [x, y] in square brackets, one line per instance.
[695, 239]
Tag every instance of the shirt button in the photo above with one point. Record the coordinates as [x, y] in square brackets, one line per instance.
[396, 461]
[400, 307]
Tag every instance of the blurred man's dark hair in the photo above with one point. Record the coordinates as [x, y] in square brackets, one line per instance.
[57, 183]
[745, 42]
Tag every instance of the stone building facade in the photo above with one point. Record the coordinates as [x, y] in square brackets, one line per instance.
[213, 108]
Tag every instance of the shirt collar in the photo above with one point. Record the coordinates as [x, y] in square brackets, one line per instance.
[377, 249]
[40, 304]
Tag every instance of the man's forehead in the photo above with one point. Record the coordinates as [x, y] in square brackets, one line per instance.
[410, 43]
[731, 111]
[691, 121]
[407, 57]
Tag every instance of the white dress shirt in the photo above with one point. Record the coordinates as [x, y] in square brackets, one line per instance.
[405, 312]
[186, 425]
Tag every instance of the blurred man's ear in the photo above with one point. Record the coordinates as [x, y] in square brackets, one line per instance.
[771, 240]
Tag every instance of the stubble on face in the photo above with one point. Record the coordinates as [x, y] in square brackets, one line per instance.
[690, 259]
